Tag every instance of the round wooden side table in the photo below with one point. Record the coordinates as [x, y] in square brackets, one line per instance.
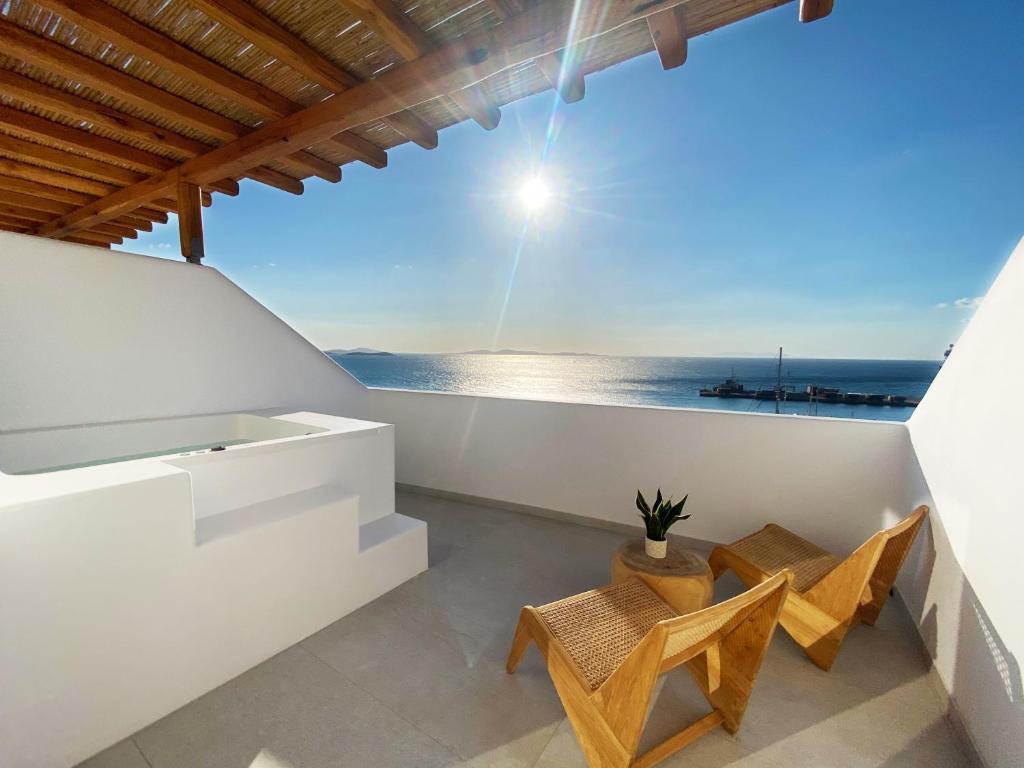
[682, 578]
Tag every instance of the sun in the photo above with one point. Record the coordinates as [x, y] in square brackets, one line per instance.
[534, 194]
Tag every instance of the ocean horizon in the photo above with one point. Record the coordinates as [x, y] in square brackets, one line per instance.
[646, 380]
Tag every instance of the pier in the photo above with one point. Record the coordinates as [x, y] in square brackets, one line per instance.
[731, 389]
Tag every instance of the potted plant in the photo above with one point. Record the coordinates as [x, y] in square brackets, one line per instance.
[658, 518]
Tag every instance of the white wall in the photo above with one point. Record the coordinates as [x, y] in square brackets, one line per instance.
[833, 480]
[112, 617]
[968, 435]
[89, 335]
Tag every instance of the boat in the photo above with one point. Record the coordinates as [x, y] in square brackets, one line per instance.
[729, 388]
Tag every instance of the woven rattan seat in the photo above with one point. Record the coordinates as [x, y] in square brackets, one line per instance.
[829, 595]
[605, 650]
[773, 549]
[601, 627]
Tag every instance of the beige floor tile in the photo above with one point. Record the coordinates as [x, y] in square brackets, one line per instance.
[124, 754]
[416, 678]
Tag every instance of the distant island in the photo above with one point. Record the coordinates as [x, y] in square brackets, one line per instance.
[365, 351]
[528, 352]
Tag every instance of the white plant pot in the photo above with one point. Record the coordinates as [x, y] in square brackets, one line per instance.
[656, 549]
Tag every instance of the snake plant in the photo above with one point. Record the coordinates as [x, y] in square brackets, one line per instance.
[660, 516]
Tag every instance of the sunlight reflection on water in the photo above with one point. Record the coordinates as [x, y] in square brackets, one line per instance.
[660, 381]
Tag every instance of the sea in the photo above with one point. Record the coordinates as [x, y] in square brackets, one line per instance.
[658, 381]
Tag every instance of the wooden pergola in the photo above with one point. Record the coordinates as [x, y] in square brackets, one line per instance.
[115, 112]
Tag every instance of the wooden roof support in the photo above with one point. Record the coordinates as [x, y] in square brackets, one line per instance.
[30, 216]
[122, 30]
[92, 238]
[31, 92]
[190, 223]
[54, 178]
[668, 30]
[89, 143]
[546, 27]
[270, 37]
[20, 149]
[277, 179]
[53, 57]
[812, 10]
[23, 214]
[125, 126]
[567, 78]
[362, 149]
[42, 197]
[117, 230]
[12, 224]
[171, 203]
[410, 42]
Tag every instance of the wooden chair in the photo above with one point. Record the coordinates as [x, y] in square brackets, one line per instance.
[828, 594]
[606, 648]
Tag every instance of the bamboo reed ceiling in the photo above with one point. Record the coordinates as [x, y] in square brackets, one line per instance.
[108, 106]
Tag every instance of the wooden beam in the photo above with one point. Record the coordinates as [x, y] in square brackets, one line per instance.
[116, 230]
[29, 187]
[42, 197]
[19, 149]
[121, 124]
[41, 204]
[362, 149]
[82, 141]
[270, 37]
[53, 57]
[96, 145]
[190, 223]
[65, 181]
[413, 128]
[812, 10]
[12, 227]
[141, 225]
[570, 84]
[277, 179]
[79, 241]
[545, 28]
[23, 214]
[668, 30]
[567, 80]
[92, 238]
[122, 30]
[124, 125]
[57, 59]
[410, 42]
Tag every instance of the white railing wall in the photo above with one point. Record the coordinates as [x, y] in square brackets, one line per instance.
[834, 480]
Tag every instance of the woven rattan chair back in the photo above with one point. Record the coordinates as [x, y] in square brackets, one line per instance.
[829, 594]
[606, 648]
[896, 544]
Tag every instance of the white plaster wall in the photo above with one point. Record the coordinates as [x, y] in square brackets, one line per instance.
[89, 335]
[968, 435]
[835, 481]
[111, 616]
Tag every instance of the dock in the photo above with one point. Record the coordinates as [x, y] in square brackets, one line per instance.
[731, 389]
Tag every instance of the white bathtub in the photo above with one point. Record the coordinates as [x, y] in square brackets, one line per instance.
[51, 450]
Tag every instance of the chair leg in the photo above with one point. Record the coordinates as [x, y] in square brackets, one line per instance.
[520, 642]
[718, 562]
[820, 635]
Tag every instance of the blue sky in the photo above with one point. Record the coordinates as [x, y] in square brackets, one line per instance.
[834, 188]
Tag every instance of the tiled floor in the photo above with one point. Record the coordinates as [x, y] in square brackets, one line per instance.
[417, 678]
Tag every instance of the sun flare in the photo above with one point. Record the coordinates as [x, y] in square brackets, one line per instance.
[534, 194]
